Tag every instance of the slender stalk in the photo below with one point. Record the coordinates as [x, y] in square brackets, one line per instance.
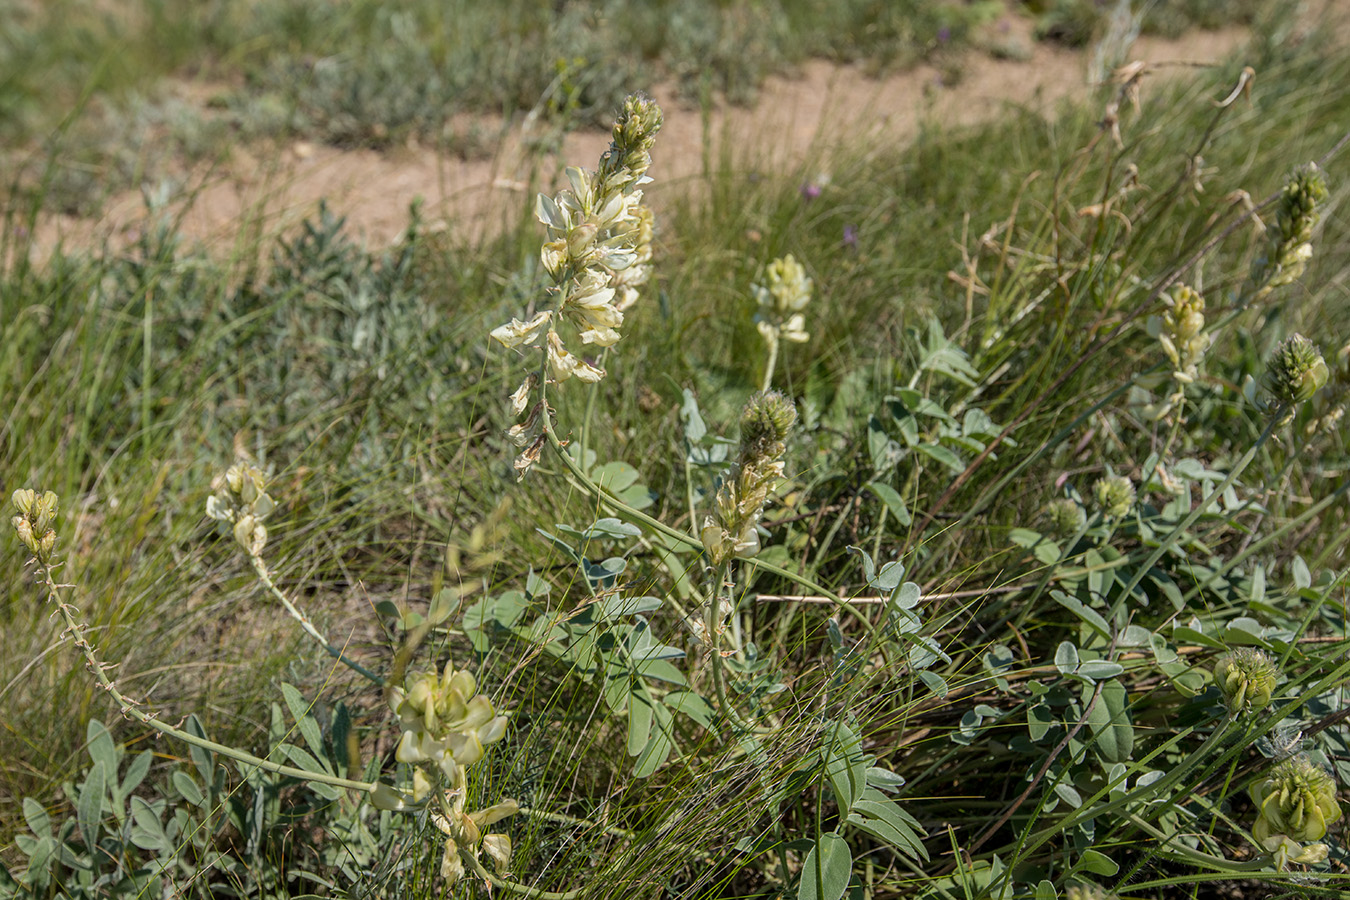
[129, 708]
[306, 625]
[637, 517]
[712, 625]
[516, 887]
[1181, 853]
[767, 381]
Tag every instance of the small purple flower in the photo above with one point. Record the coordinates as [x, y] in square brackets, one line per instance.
[20, 231]
[944, 34]
[851, 237]
[810, 191]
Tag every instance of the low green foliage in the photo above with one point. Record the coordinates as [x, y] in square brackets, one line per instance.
[968, 604]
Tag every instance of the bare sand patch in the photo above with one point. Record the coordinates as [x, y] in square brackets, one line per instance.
[262, 190]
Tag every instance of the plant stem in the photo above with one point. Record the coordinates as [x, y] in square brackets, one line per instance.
[515, 887]
[266, 578]
[130, 709]
[767, 382]
[637, 517]
[712, 624]
[1182, 853]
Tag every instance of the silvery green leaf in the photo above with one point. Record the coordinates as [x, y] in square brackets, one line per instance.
[827, 869]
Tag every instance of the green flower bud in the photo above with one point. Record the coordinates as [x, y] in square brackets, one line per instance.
[37, 513]
[1305, 190]
[1289, 238]
[1066, 517]
[766, 421]
[638, 123]
[1114, 495]
[1297, 371]
[44, 512]
[1247, 678]
[24, 528]
[1296, 800]
[24, 500]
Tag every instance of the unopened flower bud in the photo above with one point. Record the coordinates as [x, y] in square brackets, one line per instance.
[767, 418]
[24, 500]
[44, 511]
[580, 239]
[1297, 371]
[1247, 677]
[25, 532]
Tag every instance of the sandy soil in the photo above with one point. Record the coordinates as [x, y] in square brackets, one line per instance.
[794, 119]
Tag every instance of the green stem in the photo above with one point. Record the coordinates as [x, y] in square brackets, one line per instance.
[515, 887]
[711, 623]
[637, 517]
[767, 382]
[308, 627]
[1182, 853]
[130, 709]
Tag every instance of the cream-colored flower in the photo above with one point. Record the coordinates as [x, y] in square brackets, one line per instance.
[781, 300]
[597, 253]
[516, 332]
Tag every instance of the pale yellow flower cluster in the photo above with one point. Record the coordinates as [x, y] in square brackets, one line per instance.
[445, 722]
[240, 504]
[597, 254]
[1296, 801]
[782, 300]
[447, 726]
[1183, 335]
[1181, 332]
[732, 530]
[37, 513]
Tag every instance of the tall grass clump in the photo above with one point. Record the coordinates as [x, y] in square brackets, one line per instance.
[968, 526]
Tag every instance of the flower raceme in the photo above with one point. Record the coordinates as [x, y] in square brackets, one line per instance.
[240, 504]
[1296, 801]
[731, 530]
[1247, 678]
[597, 252]
[445, 722]
[782, 300]
[36, 514]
